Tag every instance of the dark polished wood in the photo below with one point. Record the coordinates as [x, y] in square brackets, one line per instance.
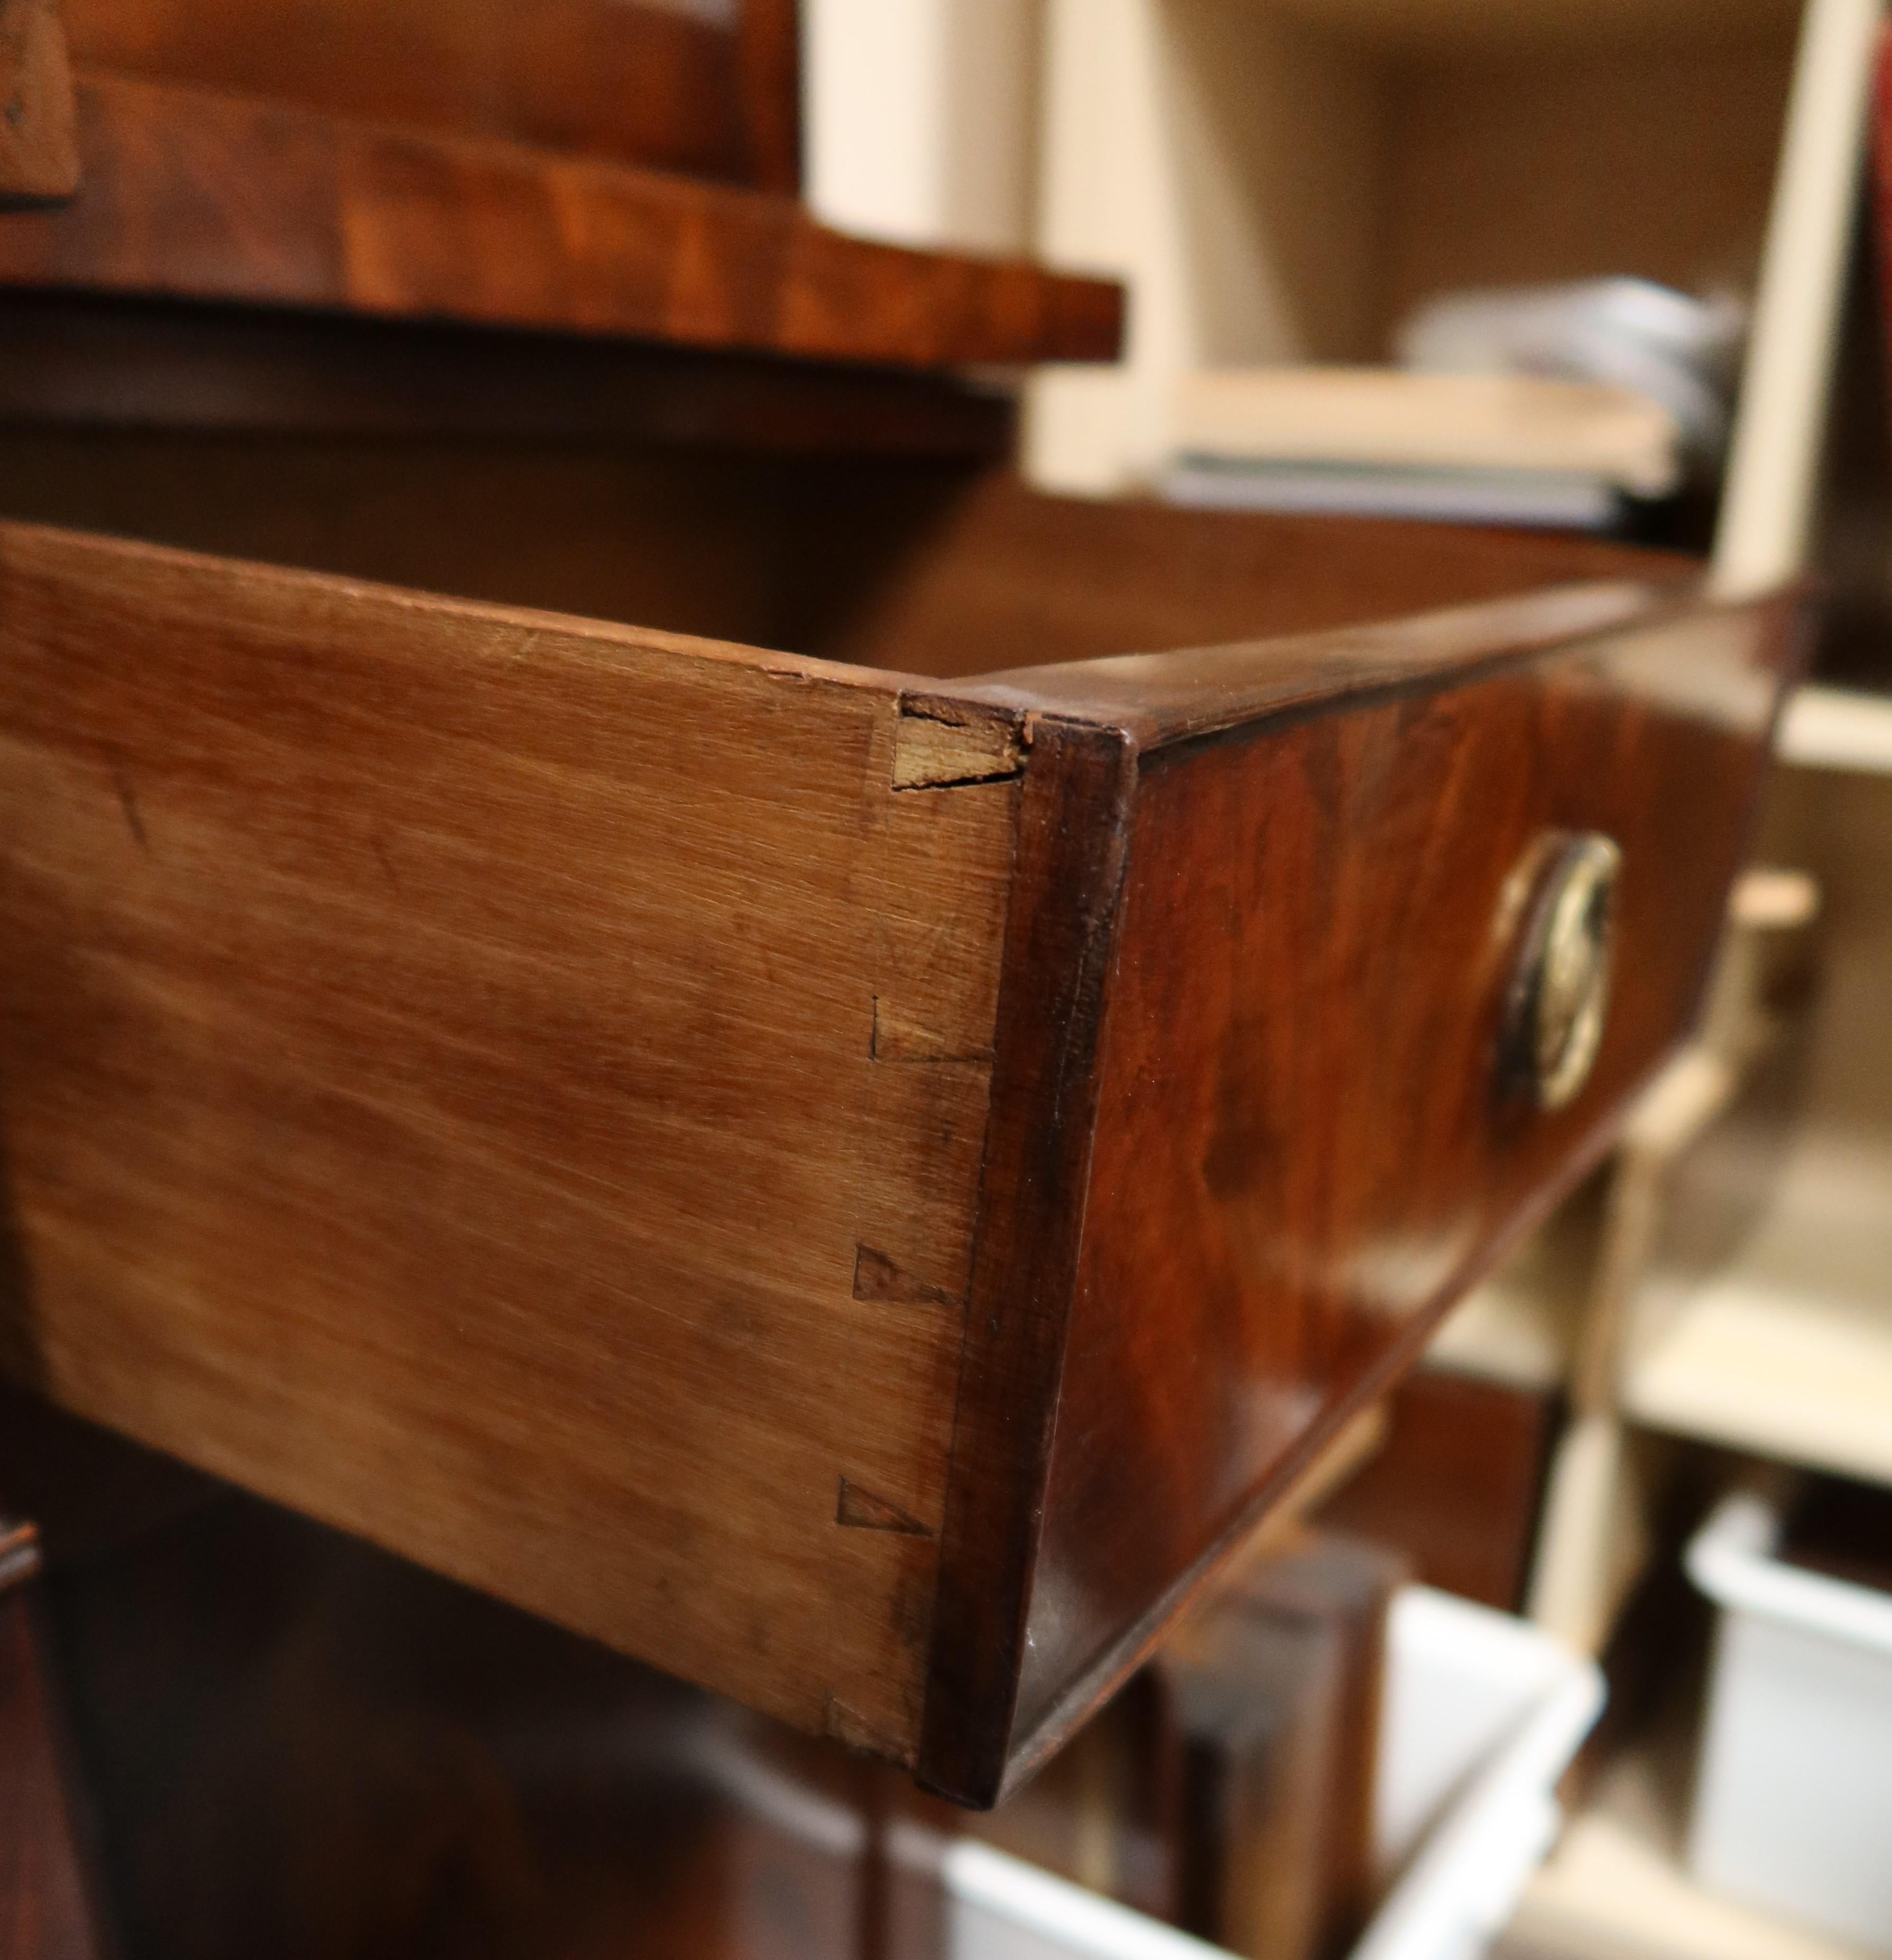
[768, 81]
[710, 92]
[1004, 577]
[1066, 891]
[38, 146]
[74, 360]
[1458, 1485]
[298, 1746]
[190, 193]
[48, 1908]
[1879, 160]
[841, 558]
[294, 1744]
[1301, 1154]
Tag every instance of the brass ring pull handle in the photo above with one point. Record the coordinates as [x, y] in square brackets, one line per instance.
[1560, 994]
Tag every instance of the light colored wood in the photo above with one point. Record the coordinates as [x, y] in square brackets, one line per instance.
[1521, 1327]
[1786, 1348]
[1765, 1322]
[921, 118]
[1605, 1484]
[39, 147]
[1773, 470]
[446, 1095]
[1380, 416]
[1228, 161]
[1831, 728]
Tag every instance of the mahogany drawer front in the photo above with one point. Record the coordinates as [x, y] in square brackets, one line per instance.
[846, 1187]
[1308, 1140]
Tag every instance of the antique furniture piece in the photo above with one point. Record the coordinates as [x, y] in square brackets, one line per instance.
[850, 1186]
[853, 1175]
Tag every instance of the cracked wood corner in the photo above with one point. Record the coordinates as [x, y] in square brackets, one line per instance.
[944, 744]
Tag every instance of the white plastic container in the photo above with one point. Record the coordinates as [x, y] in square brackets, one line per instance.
[1483, 1714]
[1793, 1802]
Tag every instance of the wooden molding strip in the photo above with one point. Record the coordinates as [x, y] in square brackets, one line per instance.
[191, 194]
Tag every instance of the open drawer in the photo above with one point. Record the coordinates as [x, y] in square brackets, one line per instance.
[848, 1184]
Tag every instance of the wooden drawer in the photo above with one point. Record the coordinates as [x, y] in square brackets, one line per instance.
[848, 1185]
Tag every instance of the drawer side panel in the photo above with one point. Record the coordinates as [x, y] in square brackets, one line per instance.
[440, 1093]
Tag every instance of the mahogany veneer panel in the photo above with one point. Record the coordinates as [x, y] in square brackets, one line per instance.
[190, 193]
[853, 1187]
[673, 88]
[1301, 1155]
[1459, 1484]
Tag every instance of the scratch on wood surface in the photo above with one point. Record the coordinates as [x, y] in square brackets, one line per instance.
[863, 1511]
[877, 1276]
[852, 1731]
[386, 862]
[128, 803]
[897, 1037]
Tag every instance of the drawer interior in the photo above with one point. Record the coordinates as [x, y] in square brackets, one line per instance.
[918, 565]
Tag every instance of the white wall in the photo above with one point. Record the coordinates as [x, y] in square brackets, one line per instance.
[921, 118]
[1225, 161]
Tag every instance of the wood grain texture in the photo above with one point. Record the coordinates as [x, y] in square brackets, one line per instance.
[857, 1190]
[193, 194]
[1064, 894]
[1004, 577]
[425, 1126]
[1299, 1159]
[39, 143]
[674, 88]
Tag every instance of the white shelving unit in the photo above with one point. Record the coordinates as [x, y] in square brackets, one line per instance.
[1785, 1350]
[1836, 728]
[1615, 1889]
[1758, 1319]
[1764, 1320]
[1280, 182]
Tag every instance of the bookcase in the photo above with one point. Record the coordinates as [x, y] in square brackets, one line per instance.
[1281, 183]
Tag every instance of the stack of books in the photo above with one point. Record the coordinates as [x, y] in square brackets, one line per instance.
[1486, 449]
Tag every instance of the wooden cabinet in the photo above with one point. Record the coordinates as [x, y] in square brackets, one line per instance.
[851, 1174]
[850, 1184]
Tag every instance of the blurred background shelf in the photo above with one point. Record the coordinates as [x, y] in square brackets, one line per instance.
[1837, 728]
[1616, 1887]
[1786, 1349]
